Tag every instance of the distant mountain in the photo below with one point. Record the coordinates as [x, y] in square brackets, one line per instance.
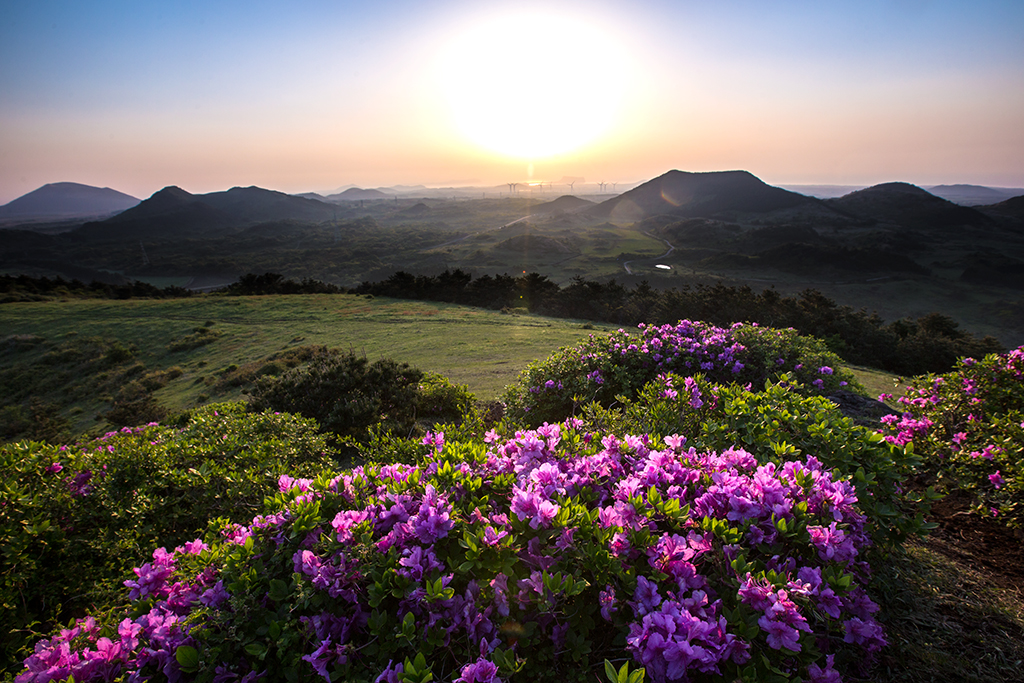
[974, 195]
[680, 193]
[565, 204]
[67, 200]
[355, 194]
[173, 211]
[311, 195]
[907, 205]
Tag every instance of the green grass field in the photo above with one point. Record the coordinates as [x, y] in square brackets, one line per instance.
[484, 350]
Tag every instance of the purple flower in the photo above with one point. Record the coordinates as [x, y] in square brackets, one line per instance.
[866, 633]
[416, 563]
[646, 596]
[780, 634]
[606, 599]
[481, 671]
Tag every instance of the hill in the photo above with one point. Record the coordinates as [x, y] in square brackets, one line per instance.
[908, 206]
[67, 200]
[706, 195]
[1012, 208]
[564, 204]
[170, 211]
[355, 194]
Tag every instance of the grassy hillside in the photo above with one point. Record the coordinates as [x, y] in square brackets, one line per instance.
[198, 350]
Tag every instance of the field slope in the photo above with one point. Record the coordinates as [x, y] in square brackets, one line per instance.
[189, 345]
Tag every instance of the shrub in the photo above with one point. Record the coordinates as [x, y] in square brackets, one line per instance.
[440, 400]
[201, 336]
[779, 424]
[344, 393]
[968, 426]
[75, 519]
[538, 555]
[620, 364]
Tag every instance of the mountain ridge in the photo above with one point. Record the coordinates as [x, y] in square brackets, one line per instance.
[67, 199]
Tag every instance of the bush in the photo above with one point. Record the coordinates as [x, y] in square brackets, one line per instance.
[620, 364]
[344, 393]
[968, 426]
[538, 556]
[75, 519]
[779, 424]
[441, 400]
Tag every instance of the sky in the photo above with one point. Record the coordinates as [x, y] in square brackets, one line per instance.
[315, 96]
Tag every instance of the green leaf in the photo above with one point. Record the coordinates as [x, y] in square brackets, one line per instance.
[256, 649]
[610, 672]
[188, 658]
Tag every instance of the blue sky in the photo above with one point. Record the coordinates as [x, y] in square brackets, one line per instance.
[315, 95]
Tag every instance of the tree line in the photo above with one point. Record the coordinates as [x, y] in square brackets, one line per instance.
[931, 343]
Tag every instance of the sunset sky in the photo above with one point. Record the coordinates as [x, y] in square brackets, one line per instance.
[313, 96]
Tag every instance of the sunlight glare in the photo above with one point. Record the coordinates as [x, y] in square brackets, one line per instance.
[533, 85]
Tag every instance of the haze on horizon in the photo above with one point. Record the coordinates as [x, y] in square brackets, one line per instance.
[310, 96]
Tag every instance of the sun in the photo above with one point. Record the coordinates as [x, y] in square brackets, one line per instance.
[532, 85]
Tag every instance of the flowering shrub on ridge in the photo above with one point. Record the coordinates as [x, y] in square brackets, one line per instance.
[620, 364]
[968, 426]
[535, 555]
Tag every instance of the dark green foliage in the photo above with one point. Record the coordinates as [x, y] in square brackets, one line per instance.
[36, 419]
[27, 288]
[934, 343]
[70, 536]
[440, 400]
[134, 404]
[344, 393]
[274, 283]
[201, 336]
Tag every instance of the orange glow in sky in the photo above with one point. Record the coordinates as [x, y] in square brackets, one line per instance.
[317, 95]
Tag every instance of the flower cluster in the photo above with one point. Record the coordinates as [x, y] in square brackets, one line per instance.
[968, 425]
[604, 367]
[151, 640]
[525, 553]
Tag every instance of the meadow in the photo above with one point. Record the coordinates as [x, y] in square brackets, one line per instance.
[482, 349]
